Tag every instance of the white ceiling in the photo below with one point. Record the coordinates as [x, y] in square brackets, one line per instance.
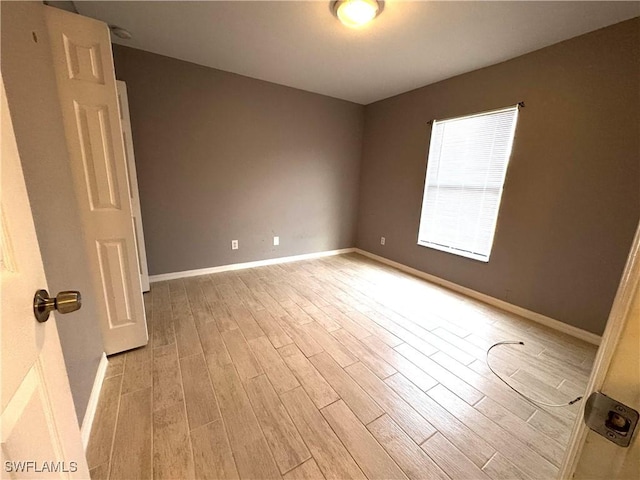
[300, 44]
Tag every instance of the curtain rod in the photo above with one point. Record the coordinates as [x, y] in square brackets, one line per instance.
[519, 104]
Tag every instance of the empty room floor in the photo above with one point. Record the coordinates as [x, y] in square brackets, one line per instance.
[339, 367]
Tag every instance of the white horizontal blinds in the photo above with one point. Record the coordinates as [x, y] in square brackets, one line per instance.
[468, 159]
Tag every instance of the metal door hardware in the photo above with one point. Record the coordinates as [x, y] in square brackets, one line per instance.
[610, 418]
[65, 302]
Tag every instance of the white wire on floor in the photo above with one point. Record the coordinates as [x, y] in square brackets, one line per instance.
[538, 403]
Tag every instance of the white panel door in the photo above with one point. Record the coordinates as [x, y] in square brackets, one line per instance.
[40, 433]
[136, 210]
[81, 50]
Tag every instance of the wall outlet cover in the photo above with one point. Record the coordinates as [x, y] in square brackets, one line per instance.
[382, 240]
[276, 241]
[234, 244]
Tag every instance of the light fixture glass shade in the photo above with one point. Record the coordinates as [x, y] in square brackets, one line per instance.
[355, 13]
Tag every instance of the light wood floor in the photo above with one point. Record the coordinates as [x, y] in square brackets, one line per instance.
[336, 368]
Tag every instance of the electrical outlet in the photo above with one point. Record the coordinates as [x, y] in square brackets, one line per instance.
[276, 241]
[382, 240]
[234, 244]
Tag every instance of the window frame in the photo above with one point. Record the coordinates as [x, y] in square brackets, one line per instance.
[453, 250]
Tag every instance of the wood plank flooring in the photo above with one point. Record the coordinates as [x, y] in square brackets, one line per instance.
[333, 368]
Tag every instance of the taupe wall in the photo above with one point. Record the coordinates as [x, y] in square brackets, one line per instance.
[572, 193]
[27, 71]
[221, 157]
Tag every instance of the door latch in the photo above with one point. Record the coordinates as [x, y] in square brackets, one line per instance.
[610, 418]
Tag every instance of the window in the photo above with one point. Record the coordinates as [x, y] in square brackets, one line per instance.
[467, 164]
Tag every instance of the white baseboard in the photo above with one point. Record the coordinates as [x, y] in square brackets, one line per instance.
[241, 266]
[523, 312]
[92, 406]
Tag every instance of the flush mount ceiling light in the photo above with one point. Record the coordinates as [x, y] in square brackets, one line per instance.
[120, 32]
[356, 13]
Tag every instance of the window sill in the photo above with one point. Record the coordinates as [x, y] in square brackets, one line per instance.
[453, 251]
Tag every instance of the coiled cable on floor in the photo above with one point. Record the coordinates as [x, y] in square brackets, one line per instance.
[529, 399]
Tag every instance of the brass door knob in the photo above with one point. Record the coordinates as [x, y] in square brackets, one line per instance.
[65, 302]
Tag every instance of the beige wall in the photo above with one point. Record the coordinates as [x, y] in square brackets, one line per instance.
[220, 157]
[572, 193]
[29, 78]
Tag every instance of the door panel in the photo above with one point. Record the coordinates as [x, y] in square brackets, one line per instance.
[85, 77]
[40, 433]
[26, 414]
[113, 268]
[84, 60]
[97, 156]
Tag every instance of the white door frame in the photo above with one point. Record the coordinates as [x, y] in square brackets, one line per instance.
[610, 339]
